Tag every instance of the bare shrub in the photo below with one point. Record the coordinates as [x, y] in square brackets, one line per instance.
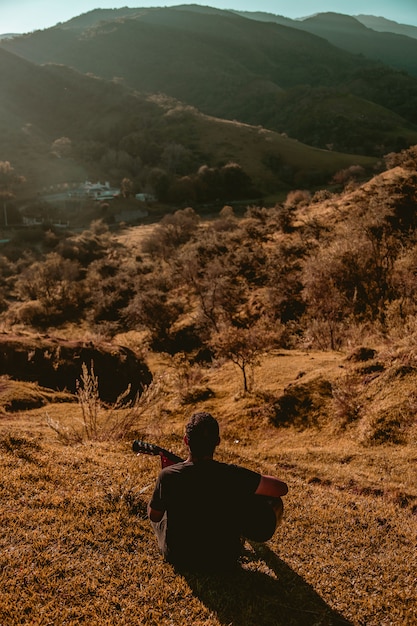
[227, 212]
[302, 404]
[321, 195]
[156, 308]
[324, 334]
[31, 312]
[173, 231]
[406, 158]
[345, 283]
[226, 221]
[386, 427]
[56, 283]
[101, 422]
[298, 197]
[189, 380]
[353, 172]
[346, 399]
[284, 215]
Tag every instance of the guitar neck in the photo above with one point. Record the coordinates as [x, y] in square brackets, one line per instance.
[167, 457]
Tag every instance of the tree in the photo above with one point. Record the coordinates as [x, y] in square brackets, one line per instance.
[126, 187]
[9, 180]
[173, 231]
[242, 346]
[155, 308]
[176, 159]
[62, 147]
[55, 283]
[109, 282]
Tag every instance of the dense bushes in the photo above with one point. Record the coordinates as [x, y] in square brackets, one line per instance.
[304, 280]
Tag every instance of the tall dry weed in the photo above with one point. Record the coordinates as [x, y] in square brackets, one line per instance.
[346, 399]
[189, 380]
[101, 422]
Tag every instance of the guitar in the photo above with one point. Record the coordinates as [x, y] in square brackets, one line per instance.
[167, 457]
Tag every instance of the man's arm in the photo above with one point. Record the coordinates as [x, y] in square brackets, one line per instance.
[155, 515]
[272, 487]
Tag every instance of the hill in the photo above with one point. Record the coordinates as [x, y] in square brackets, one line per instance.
[237, 68]
[113, 132]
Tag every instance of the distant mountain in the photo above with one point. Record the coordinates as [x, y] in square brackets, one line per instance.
[257, 72]
[381, 24]
[8, 35]
[349, 33]
[393, 44]
[97, 16]
[263, 16]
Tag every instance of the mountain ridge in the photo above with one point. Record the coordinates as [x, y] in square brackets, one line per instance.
[385, 25]
[232, 67]
[395, 45]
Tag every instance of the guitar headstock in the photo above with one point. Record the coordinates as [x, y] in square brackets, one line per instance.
[143, 447]
[167, 457]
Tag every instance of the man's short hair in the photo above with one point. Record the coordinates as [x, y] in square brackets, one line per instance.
[202, 432]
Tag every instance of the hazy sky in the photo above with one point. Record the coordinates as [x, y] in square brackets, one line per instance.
[17, 16]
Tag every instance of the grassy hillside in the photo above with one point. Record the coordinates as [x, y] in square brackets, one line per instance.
[265, 155]
[267, 269]
[233, 68]
[77, 545]
[116, 133]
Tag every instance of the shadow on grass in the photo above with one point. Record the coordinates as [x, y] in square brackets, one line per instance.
[279, 597]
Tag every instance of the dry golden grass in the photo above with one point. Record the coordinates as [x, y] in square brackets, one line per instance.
[133, 238]
[76, 547]
[355, 202]
[248, 145]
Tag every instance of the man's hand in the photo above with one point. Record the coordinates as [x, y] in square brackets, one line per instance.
[271, 487]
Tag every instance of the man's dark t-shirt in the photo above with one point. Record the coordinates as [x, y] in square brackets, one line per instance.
[203, 504]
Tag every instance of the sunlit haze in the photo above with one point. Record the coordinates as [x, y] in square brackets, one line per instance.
[19, 16]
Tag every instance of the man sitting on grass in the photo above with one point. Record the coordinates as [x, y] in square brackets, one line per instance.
[201, 508]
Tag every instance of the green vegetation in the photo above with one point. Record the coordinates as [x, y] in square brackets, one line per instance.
[242, 69]
[394, 44]
[155, 144]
